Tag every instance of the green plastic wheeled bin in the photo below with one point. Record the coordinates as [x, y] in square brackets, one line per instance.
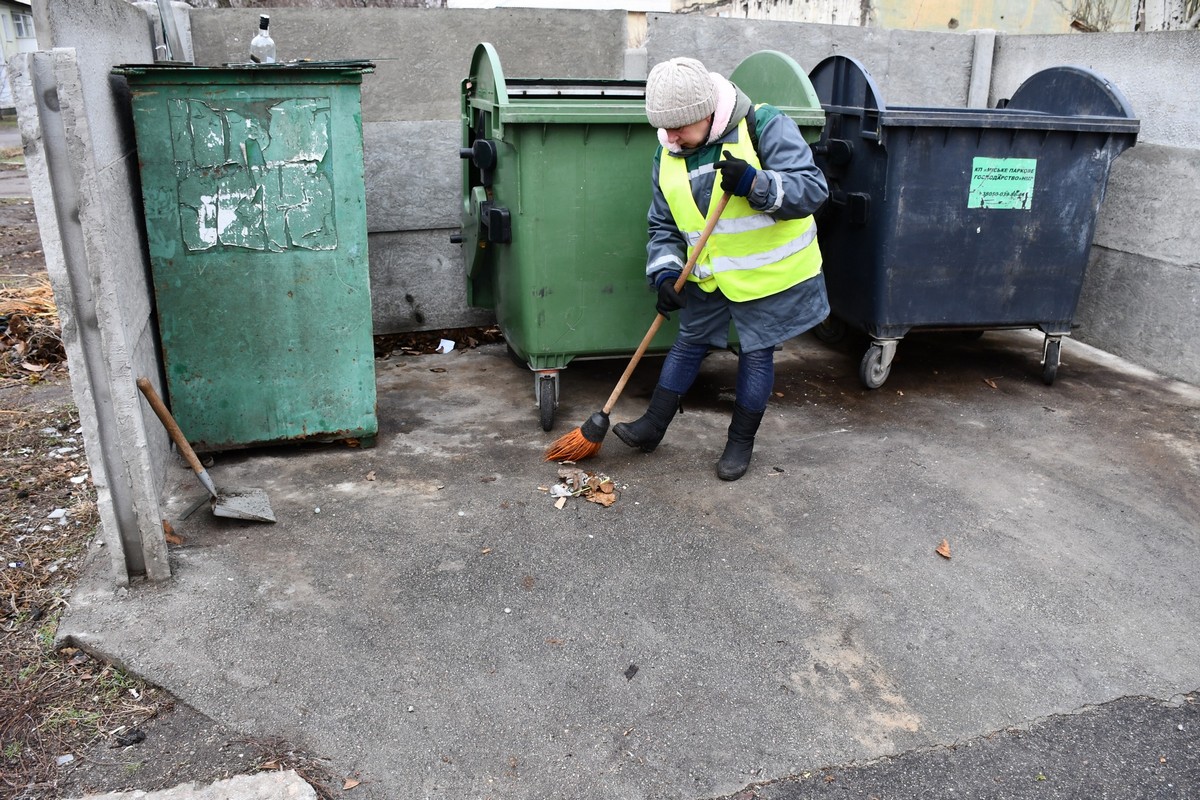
[255, 207]
[962, 219]
[556, 187]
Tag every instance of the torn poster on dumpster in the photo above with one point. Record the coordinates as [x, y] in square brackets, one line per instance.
[256, 177]
[1002, 183]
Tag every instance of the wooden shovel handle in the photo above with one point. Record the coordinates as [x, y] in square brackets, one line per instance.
[658, 320]
[172, 429]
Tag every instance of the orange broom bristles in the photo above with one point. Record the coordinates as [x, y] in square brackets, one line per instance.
[572, 447]
[583, 442]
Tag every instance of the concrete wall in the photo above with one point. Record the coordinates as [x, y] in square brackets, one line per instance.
[411, 129]
[411, 134]
[911, 67]
[1141, 297]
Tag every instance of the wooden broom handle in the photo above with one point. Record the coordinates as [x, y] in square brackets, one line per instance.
[658, 319]
[169, 423]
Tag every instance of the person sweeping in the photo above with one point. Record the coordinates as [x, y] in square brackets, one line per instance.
[761, 266]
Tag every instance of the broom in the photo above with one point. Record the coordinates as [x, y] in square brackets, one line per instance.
[584, 441]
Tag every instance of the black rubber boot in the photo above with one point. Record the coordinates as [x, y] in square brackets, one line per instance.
[648, 430]
[740, 444]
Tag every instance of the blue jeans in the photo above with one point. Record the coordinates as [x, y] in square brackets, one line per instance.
[755, 378]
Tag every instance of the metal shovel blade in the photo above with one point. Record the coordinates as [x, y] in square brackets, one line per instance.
[251, 504]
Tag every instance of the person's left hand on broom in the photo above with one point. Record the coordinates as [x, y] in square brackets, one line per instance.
[737, 176]
[668, 299]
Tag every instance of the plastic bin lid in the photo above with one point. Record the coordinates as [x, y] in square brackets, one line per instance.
[184, 72]
[769, 76]
[844, 81]
[1071, 90]
[1057, 98]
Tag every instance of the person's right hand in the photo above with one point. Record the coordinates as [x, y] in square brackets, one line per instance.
[668, 299]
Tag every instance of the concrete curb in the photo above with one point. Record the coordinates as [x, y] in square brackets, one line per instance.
[284, 785]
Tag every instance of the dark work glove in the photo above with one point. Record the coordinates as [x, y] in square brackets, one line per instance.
[737, 176]
[668, 299]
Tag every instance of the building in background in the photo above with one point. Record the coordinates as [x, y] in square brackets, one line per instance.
[16, 36]
[1006, 16]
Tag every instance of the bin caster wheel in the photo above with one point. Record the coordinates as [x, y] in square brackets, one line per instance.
[547, 397]
[830, 331]
[1050, 361]
[872, 371]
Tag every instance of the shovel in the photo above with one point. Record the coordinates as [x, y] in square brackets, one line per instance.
[251, 504]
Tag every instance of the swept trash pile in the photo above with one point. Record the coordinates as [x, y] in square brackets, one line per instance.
[575, 482]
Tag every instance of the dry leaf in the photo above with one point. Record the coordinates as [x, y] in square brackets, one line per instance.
[603, 499]
[560, 502]
[943, 549]
[607, 487]
[350, 783]
[170, 535]
[33, 367]
[485, 551]
[371, 475]
[990, 382]
[574, 478]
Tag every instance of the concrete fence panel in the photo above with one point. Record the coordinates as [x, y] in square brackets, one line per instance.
[910, 67]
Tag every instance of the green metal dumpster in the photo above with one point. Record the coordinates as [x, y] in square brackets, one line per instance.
[255, 207]
[556, 187]
[966, 219]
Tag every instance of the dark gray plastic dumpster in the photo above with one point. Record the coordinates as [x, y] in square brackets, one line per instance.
[960, 218]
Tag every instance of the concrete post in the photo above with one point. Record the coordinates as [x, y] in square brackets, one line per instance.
[979, 90]
[100, 349]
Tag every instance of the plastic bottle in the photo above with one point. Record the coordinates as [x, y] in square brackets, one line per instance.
[262, 46]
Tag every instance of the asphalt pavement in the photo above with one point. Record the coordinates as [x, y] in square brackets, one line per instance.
[426, 617]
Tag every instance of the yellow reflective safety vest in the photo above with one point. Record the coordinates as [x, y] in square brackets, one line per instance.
[749, 254]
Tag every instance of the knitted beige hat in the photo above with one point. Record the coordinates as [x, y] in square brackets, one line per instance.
[678, 93]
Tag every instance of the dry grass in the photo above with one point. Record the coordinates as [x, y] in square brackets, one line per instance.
[52, 702]
[30, 336]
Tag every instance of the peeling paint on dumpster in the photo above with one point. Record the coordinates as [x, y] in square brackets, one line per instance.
[255, 204]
